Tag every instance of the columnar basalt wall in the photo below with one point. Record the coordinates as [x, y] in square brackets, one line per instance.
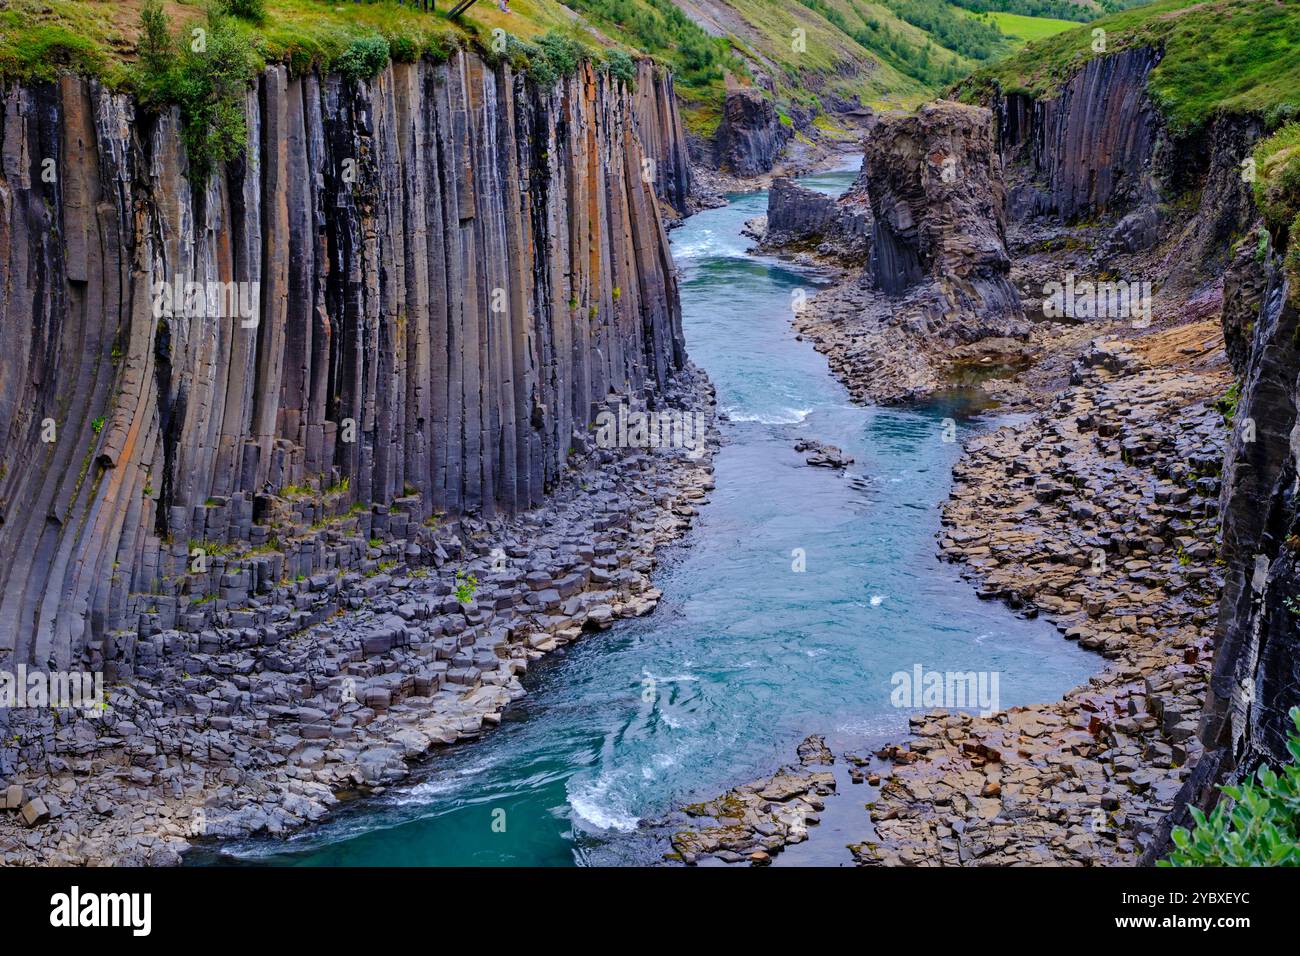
[1256, 676]
[663, 136]
[1090, 146]
[445, 271]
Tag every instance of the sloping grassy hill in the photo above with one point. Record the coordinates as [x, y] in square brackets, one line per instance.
[820, 55]
[1021, 29]
[1219, 55]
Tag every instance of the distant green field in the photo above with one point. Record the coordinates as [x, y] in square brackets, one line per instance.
[1028, 29]
[1230, 55]
[1020, 29]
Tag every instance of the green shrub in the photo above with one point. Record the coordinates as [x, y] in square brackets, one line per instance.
[561, 55]
[208, 84]
[466, 585]
[363, 58]
[518, 53]
[1261, 829]
[251, 10]
[403, 50]
[157, 51]
[621, 67]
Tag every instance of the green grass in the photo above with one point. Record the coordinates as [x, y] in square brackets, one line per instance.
[1220, 55]
[887, 53]
[41, 38]
[1021, 29]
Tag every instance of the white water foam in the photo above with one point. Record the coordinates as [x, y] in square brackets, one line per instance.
[594, 804]
[786, 416]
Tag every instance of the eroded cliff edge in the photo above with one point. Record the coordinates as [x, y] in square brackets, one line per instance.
[449, 270]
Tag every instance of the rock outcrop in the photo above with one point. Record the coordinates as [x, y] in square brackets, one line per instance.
[751, 135]
[406, 299]
[1089, 148]
[800, 219]
[662, 136]
[936, 290]
[935, 181]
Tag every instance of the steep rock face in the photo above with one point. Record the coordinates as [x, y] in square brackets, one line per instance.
[939, 235]
[751, 135]
[1090, 147]
[1203, 245]
[796, 212]
[1244, 284]
[663, 136]
[442, 272]
[800, 218]
[1256, 675]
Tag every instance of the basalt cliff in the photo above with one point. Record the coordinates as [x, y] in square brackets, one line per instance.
[299, 458]
[407, 299]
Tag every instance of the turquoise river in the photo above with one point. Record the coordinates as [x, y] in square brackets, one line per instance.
[748, 655]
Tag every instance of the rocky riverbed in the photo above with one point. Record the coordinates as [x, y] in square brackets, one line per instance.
[264, 726]
[1099, 513]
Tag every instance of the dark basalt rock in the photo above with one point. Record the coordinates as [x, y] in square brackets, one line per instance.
[1089, 147]
[1256, 676]
[751, 135]
[662, 135]
[803, 219]
[453, 269]
[937, 199]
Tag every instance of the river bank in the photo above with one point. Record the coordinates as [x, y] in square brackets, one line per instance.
[276, 733]
[1098, 514]
[1101, 515]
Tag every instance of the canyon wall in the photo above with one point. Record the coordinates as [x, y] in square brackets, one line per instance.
[1256, 675]
[663, 137]
[1099, 148]
[1089, 147]
[434, 278]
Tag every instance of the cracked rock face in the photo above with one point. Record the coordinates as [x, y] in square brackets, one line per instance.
[802, 219]
[1090, 147]
[1256, 675]
[935, 181]
[435, 278]
[663, 136]
[751, 134]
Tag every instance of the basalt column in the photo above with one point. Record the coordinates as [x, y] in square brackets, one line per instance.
[415, 288]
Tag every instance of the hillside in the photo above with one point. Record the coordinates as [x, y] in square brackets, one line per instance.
[1220, 55]
[818, 59]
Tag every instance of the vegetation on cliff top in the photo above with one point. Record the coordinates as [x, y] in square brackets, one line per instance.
[819, 55]
[206, 67]
[1219, 55]
[1277, 194]
[41, 38]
